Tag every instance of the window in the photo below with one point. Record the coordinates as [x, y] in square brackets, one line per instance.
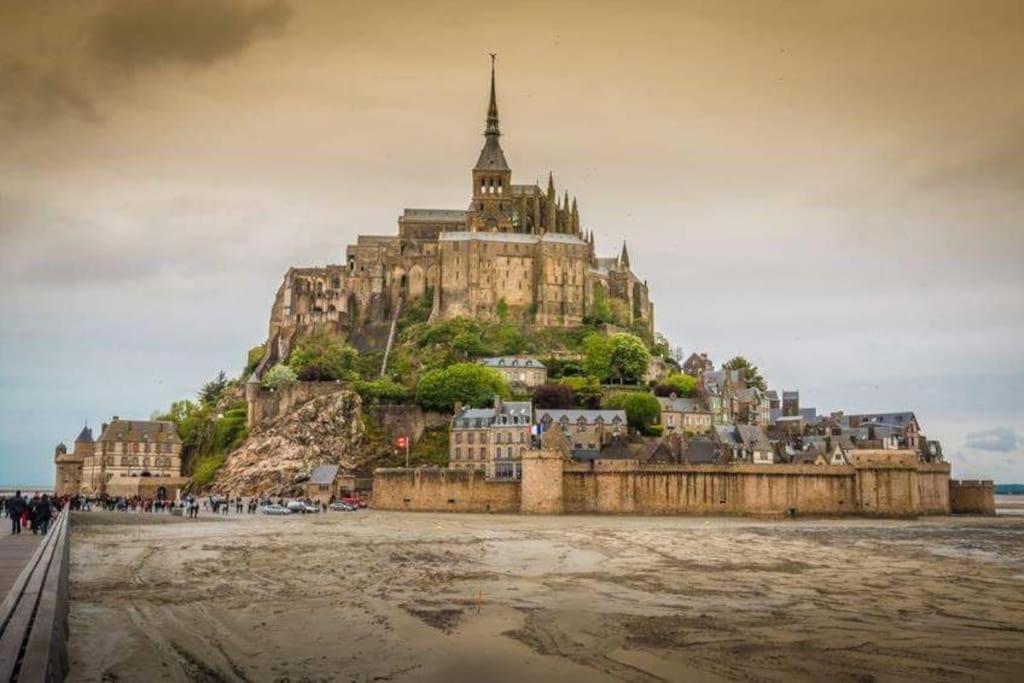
[483, 453]
[458, 452]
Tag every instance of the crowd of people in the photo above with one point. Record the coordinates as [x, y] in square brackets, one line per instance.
[35, 512]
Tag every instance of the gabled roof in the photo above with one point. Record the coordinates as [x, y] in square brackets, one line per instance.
[323, 474]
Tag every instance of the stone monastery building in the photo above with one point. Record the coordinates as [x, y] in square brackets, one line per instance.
[516, 248]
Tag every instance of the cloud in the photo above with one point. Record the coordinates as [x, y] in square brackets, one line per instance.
[144, 33]
[33, 94]
[999, 439]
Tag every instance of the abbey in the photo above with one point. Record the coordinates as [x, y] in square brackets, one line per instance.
[517, 250]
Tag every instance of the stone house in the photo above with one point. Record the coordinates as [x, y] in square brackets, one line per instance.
[905, 424]
[130, 450]
[322, 484]
[745, 443]
[491, 439]
[522, 372]
[684, 415]
[720, 390]
[697, 364]
[587, 431]
[752, 407]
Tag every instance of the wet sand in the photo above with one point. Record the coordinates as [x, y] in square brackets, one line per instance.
[401, 596]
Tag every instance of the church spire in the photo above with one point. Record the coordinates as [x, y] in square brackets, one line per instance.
[492, 109]
[492, 158]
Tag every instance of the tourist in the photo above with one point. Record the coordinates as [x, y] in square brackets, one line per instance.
[42, 514]
[15, 508]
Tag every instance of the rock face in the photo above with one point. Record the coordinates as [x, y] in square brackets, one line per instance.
[326, 430]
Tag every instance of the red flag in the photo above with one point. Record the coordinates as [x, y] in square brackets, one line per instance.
[402, 442]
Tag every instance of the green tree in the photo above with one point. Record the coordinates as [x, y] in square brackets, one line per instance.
[679, 384]
[748, 371]
[553, 396]
[467, 383]
[214, 389]
[323, 357]
[621, 358]
[586, 391]
[278, 375]
[642, 409]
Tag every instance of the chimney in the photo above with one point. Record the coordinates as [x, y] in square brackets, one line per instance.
[458, 408]
[103, 428]
[116, 418]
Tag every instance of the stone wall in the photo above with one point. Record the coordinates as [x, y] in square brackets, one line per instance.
[619, 487]
[551, 486]
[442, 490]
[972, 497]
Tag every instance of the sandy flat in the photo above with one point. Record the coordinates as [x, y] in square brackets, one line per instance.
[394, 596]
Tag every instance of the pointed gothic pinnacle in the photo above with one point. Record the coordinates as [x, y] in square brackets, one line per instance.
[492, 108]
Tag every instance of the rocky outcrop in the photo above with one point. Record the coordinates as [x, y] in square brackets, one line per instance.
[281, 452]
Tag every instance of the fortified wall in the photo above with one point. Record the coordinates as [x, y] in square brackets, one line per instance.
[972, 497]
[894, 487]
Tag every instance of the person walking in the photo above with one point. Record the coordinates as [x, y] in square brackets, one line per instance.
[15, 509]
[42, 514]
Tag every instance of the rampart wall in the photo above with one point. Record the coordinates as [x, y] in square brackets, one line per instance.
[442, 490]
[874, 488]
[972, 497]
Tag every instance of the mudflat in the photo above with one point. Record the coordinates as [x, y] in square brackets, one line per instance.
[368, 595]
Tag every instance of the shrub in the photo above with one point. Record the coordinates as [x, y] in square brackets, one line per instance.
[679, 384]
[323, 357]
[468, 383]
[278, 375]
[384, 390]
[253, 359]
[642, 409]
[553, 397]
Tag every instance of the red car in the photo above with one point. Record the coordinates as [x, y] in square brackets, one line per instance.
[354, 502]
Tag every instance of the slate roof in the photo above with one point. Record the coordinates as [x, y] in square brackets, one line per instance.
[323, 474]
[892, 419]
[510, 412]
[152, 431]
[85, 436]
[574, 415]
[511, 362]
[771, 395]
[464, 236]
[700, 451]
[681, 405]
[492, 157]
[434, 215]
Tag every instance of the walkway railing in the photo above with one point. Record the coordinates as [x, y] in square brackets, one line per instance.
[34, 613]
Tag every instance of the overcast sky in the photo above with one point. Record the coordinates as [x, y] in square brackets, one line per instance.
[833, 189]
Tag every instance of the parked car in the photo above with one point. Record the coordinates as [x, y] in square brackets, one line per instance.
[274, 509]
[354, 502]
[341, 506]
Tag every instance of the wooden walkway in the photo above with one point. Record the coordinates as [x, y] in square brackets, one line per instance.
[34, 609]
[15, 552]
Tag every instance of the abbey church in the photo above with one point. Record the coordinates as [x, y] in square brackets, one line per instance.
[517, 249]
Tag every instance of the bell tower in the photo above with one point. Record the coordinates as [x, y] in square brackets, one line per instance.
[491, 209]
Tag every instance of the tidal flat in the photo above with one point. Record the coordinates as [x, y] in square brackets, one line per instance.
[364, 596]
